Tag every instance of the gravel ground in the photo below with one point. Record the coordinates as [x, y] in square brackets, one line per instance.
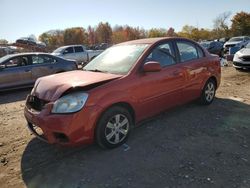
[188, 146]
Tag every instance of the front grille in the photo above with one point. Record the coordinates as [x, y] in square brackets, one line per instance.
[230, 45]
[35, 103]
[241, 64]
[245, 58]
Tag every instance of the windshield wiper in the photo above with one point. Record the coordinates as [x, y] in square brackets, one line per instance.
[94, 70]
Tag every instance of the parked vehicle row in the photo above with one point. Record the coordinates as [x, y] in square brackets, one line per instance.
[239, 42]
[79, 53]
[22, 70]
[124, 85]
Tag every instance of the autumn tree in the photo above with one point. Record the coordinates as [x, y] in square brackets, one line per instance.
[195, 33]
[52, 38]
[91, 36]
[241, 24]
[157, 33]
[104, 33]
[171, 32]
[3, 41]
[221, 28]
[75, 35]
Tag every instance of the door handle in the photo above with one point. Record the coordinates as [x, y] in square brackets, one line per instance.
[177, 73]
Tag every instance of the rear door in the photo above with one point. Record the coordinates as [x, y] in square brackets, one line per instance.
[42, 65]
[193, 61]
[161, 90]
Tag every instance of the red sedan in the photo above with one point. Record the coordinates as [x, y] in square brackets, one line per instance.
[124, 85]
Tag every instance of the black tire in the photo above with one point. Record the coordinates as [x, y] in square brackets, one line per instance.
[208, 92]
[113, 127]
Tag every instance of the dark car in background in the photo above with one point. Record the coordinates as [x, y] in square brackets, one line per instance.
[22, 70]
[213, 47]
[26, 40]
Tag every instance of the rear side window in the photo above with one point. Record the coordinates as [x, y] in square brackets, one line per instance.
[68, 50]
[42, 60]
[187, 51]
[78, 49]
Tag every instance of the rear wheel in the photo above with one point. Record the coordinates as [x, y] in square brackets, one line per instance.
[208, 92]
[113, 127]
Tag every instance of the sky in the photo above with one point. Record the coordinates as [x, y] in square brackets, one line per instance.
[21, 18]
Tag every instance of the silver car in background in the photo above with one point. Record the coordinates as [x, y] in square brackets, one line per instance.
[239, 42]
[22, 70]
[242, 58]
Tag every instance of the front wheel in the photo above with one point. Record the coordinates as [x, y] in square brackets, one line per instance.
[113, 127]
[208, 92]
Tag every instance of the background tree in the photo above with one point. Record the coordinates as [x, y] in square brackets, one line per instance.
[171, 32]
[3, 41]
[53, 38]
[157, 33]
[221, 28]
[241, 24]
[104, 33]
[91, 36]
[75, 35]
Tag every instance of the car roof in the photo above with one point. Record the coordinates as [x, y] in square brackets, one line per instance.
[27, 53]
[150, 40]
[74, 45]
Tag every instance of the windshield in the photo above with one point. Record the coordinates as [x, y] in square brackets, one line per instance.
[4, 58]
[117, 59]
[235, 39]
[58, 50]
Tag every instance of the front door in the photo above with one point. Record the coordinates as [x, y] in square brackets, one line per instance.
[162, 89]
[15, 73]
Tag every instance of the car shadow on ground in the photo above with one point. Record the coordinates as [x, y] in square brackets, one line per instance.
[189, 146]
[13, 95]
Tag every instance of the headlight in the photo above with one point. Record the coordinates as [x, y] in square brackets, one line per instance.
[72, 102]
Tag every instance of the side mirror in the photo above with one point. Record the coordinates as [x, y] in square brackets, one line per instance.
[152, 66]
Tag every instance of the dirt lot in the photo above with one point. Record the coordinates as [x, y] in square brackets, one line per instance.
[189, 146]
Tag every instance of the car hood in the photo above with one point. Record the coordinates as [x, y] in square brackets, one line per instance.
[50, 88]
[230, 43]
[244, 52]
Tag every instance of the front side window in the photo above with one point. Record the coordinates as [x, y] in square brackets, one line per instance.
[164, 54]
[17, 61]
[68, 50]
[187, 51]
